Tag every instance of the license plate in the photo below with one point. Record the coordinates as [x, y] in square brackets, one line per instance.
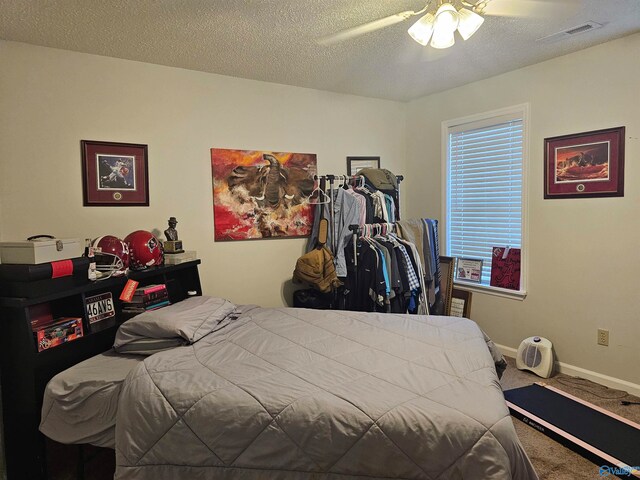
[100, 307]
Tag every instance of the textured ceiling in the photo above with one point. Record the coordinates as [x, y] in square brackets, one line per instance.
[277, 40]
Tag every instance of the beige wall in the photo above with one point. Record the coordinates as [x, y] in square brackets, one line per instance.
[583, 253]
[51, 99]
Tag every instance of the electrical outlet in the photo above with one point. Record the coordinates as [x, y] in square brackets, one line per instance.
[603, 337]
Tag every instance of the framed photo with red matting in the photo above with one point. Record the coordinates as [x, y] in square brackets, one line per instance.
[589, 164]
[114, 174]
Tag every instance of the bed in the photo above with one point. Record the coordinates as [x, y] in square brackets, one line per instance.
[80, 403]
[254, 393]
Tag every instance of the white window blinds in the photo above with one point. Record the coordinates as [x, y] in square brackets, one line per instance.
[484, 188]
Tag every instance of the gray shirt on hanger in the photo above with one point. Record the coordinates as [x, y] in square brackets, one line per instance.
[346, 211]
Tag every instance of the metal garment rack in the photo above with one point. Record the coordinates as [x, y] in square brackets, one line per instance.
[347, 178]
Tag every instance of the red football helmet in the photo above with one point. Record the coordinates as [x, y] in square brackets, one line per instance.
[145, 250]
[111, 256]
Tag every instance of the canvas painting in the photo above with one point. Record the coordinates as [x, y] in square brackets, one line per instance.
[260, 194]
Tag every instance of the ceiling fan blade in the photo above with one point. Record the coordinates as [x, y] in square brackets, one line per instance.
[526, 8]
[366, 28]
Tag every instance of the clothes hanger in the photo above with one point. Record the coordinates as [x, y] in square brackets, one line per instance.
[321, 197]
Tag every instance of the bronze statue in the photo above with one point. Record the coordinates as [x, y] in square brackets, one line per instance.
[171, 233]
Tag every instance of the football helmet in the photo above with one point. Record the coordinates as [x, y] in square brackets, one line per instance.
[145, 250]
[111, 256]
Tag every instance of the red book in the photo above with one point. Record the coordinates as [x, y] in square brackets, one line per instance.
[153, 288]
[128, 290]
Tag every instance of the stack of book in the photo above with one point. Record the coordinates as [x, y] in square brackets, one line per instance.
[149, 297]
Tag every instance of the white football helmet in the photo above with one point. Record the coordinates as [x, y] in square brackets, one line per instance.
[111, 256]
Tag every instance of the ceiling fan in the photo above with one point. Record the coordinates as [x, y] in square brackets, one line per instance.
[439, 19]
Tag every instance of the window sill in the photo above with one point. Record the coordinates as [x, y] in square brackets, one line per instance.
[496, 291]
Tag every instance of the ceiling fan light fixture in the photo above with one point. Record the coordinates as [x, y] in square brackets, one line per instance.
[469, 23]
[443, 39]
[421, 30]
[446, 18]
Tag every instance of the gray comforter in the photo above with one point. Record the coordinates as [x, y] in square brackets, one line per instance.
[309, 394]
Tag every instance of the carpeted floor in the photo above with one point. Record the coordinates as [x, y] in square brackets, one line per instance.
[551, 460]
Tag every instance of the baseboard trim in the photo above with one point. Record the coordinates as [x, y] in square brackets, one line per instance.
[567, 369]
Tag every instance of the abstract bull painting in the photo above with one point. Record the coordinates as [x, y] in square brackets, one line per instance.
[261, 194]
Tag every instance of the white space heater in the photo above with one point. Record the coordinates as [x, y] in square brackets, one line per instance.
[535, 354]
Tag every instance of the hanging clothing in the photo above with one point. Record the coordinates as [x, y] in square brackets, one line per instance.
[365, 286]
[431, 226]
[391, 208]
[345, 212]
[362, 203]
[379, 207]
[424, 234]
[389, 268]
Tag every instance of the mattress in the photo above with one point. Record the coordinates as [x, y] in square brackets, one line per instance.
[301, 394]
[80, 403]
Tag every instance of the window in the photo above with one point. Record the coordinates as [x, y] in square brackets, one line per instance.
[485, 180]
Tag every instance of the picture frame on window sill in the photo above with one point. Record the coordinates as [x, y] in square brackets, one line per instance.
[469, 269]
[114, 174]
[355, 164]
[581, 165]
[461, 303]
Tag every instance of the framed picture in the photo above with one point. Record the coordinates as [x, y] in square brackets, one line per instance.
[355, 164]
[446, 282]
[469, 269]
[260, 195]
[589, 164]
[114, 174]
[460, 303]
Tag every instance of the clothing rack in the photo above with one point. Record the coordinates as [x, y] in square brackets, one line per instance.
[331, 178]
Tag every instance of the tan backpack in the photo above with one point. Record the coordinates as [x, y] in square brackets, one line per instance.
[317, 267]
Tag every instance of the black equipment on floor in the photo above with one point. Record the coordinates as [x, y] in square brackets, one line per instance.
[606, 439]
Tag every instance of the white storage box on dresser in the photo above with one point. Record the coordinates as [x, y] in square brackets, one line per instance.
[40, 251]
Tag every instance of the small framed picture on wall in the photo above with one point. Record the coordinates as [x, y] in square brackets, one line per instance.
[588, 164]
[355, 164]
[114, 174]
